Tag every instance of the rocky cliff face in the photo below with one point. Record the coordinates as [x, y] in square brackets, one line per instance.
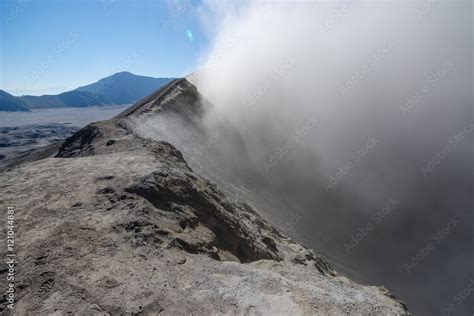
[120, 224]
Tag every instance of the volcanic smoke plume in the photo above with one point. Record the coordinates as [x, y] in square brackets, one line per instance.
[359, 115]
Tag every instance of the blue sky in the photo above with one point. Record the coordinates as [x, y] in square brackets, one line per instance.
[50, 46]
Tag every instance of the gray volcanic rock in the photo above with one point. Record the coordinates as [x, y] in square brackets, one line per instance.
[119, 224]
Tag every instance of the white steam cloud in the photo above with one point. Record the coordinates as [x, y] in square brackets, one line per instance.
[388, 87]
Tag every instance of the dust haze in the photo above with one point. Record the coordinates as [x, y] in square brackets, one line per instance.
[359, 113]
[357, 116]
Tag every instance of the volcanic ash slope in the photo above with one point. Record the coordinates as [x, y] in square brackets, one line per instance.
[118, 224]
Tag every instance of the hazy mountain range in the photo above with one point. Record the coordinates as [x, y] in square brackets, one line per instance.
[9, 102]
[119, 88]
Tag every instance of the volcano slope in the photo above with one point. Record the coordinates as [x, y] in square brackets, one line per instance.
[114, 223]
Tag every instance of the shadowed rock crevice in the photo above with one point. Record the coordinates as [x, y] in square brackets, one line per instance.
[173, 192]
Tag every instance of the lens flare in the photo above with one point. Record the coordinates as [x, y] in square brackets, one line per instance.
[190, 35]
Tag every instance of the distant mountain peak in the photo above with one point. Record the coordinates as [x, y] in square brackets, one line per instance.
[123, 73]
[120, 88]
[124, 87]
